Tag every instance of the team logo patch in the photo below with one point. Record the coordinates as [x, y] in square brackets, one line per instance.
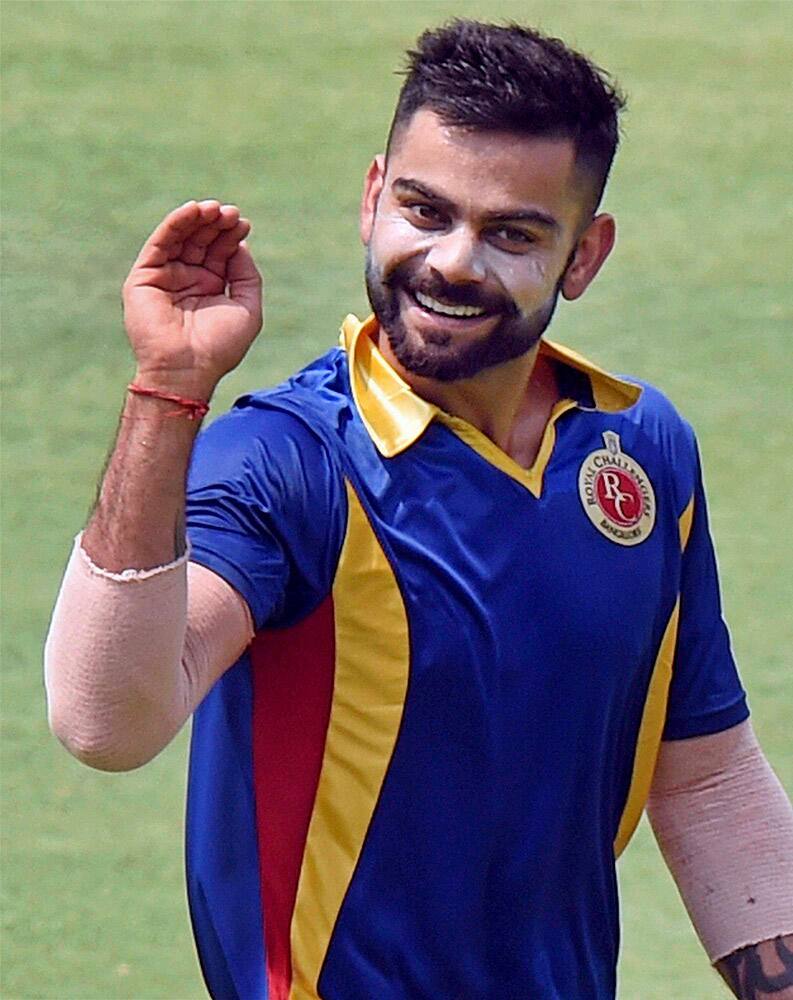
[616, 493]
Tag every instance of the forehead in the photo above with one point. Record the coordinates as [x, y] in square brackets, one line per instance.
[485, 171]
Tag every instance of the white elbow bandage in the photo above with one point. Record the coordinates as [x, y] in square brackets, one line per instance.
[725, 827]
[129, 655]
[113, 642]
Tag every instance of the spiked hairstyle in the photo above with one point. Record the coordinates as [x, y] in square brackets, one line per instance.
[514, 79]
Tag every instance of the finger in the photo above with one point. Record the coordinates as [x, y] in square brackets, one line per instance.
[173, 229]
[244, 281]
[225, 246]
[209, 209]
[166, 241]
[195, 248]
[229, 216]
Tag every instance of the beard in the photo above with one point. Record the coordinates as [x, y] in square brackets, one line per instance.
[437, 356]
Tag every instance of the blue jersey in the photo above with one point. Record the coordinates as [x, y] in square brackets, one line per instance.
[415, 781]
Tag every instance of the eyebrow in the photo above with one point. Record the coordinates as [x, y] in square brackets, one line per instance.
[408, 185]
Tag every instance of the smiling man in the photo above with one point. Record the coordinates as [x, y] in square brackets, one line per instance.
[464, 268]
[449, 617]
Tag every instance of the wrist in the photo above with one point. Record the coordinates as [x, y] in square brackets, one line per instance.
[195, 385]
[193, 409]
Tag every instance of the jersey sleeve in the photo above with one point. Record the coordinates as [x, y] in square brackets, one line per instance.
[266, 510]
[705, 695]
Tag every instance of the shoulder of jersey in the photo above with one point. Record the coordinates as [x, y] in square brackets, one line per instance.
[305, 408]
[660, 420]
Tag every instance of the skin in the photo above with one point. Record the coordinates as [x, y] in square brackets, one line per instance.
[479, 218]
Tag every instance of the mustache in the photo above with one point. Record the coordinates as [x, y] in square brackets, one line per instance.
[409, 279]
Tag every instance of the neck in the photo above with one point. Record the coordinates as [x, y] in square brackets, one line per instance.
[495, 401]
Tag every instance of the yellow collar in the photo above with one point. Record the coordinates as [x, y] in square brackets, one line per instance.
[396, 417]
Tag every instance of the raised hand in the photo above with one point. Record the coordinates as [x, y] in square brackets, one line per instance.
[193, 299]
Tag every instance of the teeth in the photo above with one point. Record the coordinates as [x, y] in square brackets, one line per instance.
[440, 307]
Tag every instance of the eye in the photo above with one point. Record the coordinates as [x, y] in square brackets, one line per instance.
[423, 215]
[511, 239]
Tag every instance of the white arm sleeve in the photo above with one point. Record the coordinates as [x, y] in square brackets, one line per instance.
[130, 655]
[725, 828]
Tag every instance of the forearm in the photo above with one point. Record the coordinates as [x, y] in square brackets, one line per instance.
[725, 827]
[138, 519]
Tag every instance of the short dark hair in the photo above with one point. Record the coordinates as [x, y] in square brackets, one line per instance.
[516, 79]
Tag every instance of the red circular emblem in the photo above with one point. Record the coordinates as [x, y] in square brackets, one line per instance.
[616, 493]
[618, 496]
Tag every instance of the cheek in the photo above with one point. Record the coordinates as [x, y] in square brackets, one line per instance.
[524, 279]
[394, 239]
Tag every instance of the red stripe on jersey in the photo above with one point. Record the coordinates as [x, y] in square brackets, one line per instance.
[293, 671]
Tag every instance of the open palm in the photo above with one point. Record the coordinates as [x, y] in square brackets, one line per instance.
[192, 301]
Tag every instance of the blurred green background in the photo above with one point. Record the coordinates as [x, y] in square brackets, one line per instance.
[115, 112]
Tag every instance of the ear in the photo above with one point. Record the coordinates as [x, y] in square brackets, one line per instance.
[372, 186]
[594, 245]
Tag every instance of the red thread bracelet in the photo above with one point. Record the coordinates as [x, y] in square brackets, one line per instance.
[196, 408]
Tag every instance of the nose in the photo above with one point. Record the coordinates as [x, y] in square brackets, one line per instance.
[456, 256]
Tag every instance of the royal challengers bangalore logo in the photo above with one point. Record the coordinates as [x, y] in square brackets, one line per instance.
[616, 493]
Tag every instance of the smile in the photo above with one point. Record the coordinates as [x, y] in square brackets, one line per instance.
[433, 305]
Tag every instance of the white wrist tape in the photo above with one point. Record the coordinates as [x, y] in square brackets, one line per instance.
[725, 827]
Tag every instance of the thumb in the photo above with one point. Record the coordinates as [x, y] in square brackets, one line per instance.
[244, 280]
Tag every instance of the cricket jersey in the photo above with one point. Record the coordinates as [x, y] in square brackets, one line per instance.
[414, 783]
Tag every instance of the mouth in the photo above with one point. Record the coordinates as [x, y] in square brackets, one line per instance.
[442, 318]
[431, 305]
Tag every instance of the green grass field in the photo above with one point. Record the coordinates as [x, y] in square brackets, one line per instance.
[115, 112]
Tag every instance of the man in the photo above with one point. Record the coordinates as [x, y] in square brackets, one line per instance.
[449, 588]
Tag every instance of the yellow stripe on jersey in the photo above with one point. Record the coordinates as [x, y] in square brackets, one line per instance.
[372, 664]
[654, 715]
[685, 521]
[649, 739]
